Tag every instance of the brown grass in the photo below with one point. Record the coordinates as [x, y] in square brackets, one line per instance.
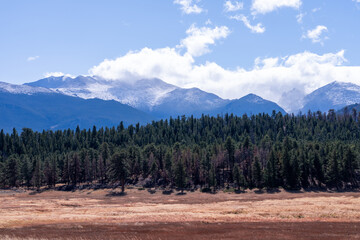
[24, 210]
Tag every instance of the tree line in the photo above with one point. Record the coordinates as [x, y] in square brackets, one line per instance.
[318, 150]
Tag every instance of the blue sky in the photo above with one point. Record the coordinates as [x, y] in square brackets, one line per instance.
[233, 43]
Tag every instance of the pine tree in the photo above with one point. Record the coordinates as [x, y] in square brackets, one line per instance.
[333, 173]
[119, 168]
[180, 175]
[348, 173]
[286, 165]
[238, 177]
[26, 171]
[48, 173]
[294, 180]
[66, 170]
[12, 171]
[213, 178]
[270, 174]
[168, 167]
[105, 154]
[2, 175]
[257, 173]
[317, 169]
[75, 168]
[37, 176]
[154, 171]
[230, 148]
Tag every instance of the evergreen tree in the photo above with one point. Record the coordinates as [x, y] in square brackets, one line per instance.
[230, 148]
[238, 177]
[317, 167]
[271, 172]
[257, 173]
[348, 173]
[213, 178]
[74, 168]
[154, 171]
[2, 174]
[168, 167]
[37, 176]
[295, 173]
[292, 151]
[26, 171]
[286, 165]
[105, 154]
[119, 168]
[12, 171]
[180, 175]
[333, 172]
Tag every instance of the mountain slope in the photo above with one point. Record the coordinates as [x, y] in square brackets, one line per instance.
[335, 95]
[187, 102]
[349, 109]
[22, 89]
[142, 94]
[250, 104]
[155, 96]
[48, 110]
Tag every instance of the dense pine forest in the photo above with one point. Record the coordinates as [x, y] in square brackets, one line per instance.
[316, 150]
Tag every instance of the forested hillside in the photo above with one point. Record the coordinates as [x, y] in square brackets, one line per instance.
[261, 151]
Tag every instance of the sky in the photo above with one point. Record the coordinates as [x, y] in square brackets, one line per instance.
[227, 47]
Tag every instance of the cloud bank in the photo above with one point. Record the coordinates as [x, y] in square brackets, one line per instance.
[269, 77]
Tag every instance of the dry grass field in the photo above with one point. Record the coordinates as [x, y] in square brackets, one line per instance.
[139, 214]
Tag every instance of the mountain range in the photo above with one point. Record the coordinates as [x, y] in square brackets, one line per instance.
[39, 108]
[156, 97]
[65, 102]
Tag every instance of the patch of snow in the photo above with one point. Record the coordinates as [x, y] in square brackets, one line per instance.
[22, 89]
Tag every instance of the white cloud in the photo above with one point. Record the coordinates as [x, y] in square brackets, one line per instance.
[269, 78]
[299, 17]
[29, 59]
[315, 34]
[266, 6]
[188, 7]
[230, 6]
[258, 28]
[208, 22]
[57, 74]
[314, 10]
[198, 40]
[164, 63]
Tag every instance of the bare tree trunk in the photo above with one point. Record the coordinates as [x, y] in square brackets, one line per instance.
[122, 185]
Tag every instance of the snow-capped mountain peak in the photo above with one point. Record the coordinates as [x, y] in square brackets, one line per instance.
[142, 93]
[332, 96]
[153, 96]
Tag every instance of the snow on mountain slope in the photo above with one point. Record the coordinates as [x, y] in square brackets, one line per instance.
[142, 94]
[155, 96]
[332, 96]
[22, 89]
[191, 101]
[39, 108]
